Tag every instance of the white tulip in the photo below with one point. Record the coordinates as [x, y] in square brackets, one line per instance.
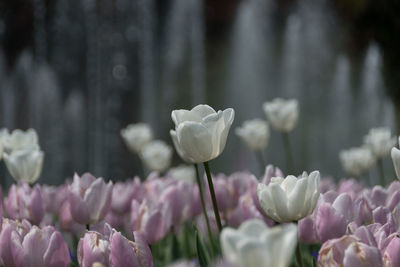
[357, 160]
[282, 114]
[19, 139]
[25, 164]
[256, 245]
[289, 199]
[380, 141]
[254, 133]
[200, 134]
[136, 136]
[396, 159]
[156, 156]
[183, 173]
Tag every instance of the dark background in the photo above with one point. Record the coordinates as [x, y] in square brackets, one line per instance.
[80, 70]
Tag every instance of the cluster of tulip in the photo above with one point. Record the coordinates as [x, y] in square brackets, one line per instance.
[170, 215]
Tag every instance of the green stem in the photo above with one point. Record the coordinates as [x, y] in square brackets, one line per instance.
[288, 153]
[260, 159]
[381, 171]
[213, 198]
[298, 255]
[203, 205]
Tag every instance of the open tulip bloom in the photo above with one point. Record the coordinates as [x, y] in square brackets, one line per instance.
[289, 199]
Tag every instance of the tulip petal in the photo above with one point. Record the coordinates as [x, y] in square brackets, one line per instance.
[57, 253]
[122, 253]
[196, 140]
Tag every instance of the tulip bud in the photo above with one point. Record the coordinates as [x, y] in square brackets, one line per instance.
[136, 136]
[254, 244]
[289, 199]
[254, 133]
[200, 134]
[89, 198]
[156, 156]
[282, 114]
[25, 164]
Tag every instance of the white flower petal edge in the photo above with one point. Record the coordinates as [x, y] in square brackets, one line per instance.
[255, 244]
[289, 199]
[395, 153]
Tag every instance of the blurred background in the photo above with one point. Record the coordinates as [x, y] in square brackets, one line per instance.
[80, 70]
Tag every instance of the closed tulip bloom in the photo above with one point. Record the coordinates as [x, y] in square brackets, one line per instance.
[357, 160]
[254, 244]
[380, 141]
[136, 136]
[200, 134]
[395, 153]
[24, 202]
[156, 156]
[25, 164]
[349, 251]
[151, 219]
[289, 199]
[19, 139]
[254, 133]
[40, 247]
[8, 226]
[332, 219]
[283, 114]
[90, 198]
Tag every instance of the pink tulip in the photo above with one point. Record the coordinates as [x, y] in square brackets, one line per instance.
[24, 202]
[25, 246]
[391, 257]
[111, 249]
[54, 197]
[151, 219]
[89, 198]
[349, 251]
[123, 193]
[67, 223]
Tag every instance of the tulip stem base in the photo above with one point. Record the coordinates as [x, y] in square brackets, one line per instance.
[298, 255]
[381, 171]
[288, 153]
[203, 205]
[213, 198]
